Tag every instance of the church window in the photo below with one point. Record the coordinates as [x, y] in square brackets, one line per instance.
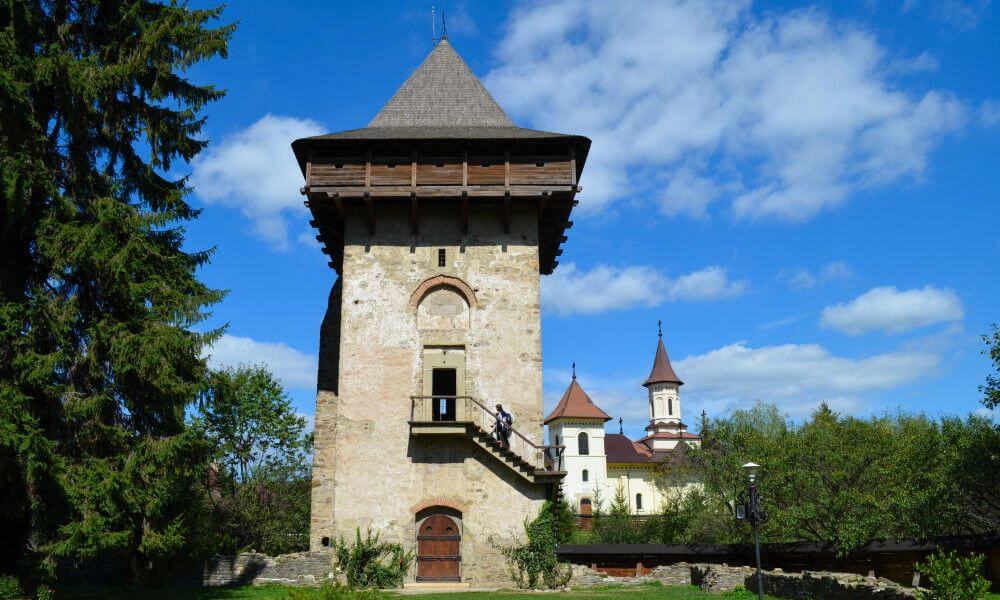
[442, 257]
[586, 475]
[638, 501]
[583, 443]
[670, 406]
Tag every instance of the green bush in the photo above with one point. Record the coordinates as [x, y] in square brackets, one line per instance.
[533, 565]
[10, 589]
[44, 592]
[954, 577]
[371, 563]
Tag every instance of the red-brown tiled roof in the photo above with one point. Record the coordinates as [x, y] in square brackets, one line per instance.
[662, 371]
[663, 435]
[576, 404]
[619, 449]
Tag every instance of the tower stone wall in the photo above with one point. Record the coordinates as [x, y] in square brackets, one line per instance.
[368, 470]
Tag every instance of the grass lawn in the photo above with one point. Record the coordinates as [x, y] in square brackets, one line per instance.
[272, 592]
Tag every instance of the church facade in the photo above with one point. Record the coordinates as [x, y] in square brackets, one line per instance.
[438, 217]
[599, 464]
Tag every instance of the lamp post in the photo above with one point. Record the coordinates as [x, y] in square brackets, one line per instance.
[751, 512]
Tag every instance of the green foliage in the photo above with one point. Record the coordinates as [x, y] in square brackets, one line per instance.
[370, 562]
[99, 358]
[533, 564]
[954, 577]
[617, 526]
[846, 479]
[258, 492]
[10, 589]
[991, 389]
[44, 593]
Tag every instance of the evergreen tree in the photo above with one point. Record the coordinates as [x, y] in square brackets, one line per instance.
[98, 297]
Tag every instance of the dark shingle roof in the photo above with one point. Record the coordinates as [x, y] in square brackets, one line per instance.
[442, 100]
[442, 92]
[662, 371]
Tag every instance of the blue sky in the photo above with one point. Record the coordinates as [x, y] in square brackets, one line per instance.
[805, 194]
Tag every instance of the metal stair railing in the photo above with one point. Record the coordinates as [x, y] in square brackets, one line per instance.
[468, 410]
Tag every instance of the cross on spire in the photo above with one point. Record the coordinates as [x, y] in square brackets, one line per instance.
[621, 426]
[659, 328]
[574, 369]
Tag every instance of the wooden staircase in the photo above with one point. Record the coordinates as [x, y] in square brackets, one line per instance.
[474, 421]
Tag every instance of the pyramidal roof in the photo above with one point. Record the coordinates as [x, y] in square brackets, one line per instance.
[576, 404]
[662, 371]
[442, 92]
[442, 100]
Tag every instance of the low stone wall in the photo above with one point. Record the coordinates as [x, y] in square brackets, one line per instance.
[789, 586]
[300, 568]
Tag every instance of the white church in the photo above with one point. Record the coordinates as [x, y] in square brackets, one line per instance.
[598, 463]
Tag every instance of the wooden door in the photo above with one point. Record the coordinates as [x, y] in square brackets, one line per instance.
[438, 557]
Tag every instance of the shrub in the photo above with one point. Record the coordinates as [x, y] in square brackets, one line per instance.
[44, 592]
[371, 563]
[533, 565]
[953, 577]
[10, 589]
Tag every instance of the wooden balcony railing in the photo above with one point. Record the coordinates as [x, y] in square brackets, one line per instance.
[466, 410]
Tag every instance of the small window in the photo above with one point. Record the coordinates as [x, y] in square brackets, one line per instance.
[586, 475]
[583, 443]
[442, 257]
[670, 406]
[638, 501]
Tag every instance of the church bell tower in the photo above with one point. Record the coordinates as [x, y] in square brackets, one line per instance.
[663, 386]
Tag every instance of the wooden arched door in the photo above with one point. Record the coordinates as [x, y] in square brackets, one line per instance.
[438, 557]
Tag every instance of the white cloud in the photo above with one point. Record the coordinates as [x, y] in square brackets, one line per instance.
[803, 279]
[796, 377]
[989, 113]
[254, 170]
[572, 290]
[681, 95]
[295, 369]
[893, 311]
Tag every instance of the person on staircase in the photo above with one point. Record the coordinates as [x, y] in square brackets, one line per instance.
[502, 427]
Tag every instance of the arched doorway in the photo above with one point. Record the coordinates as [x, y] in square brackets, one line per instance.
[438, 557]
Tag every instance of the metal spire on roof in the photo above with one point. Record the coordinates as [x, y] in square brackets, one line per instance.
[444, 26]
[621, 427]
[659, 328]
[574, 370]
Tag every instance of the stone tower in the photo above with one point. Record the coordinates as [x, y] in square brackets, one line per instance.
[663, 388]
[438, 216]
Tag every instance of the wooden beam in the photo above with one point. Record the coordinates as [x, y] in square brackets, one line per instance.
[368, 168]
[465, 167]
[445, 191]
[572, 163]
[506, 168]
[413, 168]
[309, 167]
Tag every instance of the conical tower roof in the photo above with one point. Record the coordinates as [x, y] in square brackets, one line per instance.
[663, 371]
[442, 92]
[576, 404]
[442, 100]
